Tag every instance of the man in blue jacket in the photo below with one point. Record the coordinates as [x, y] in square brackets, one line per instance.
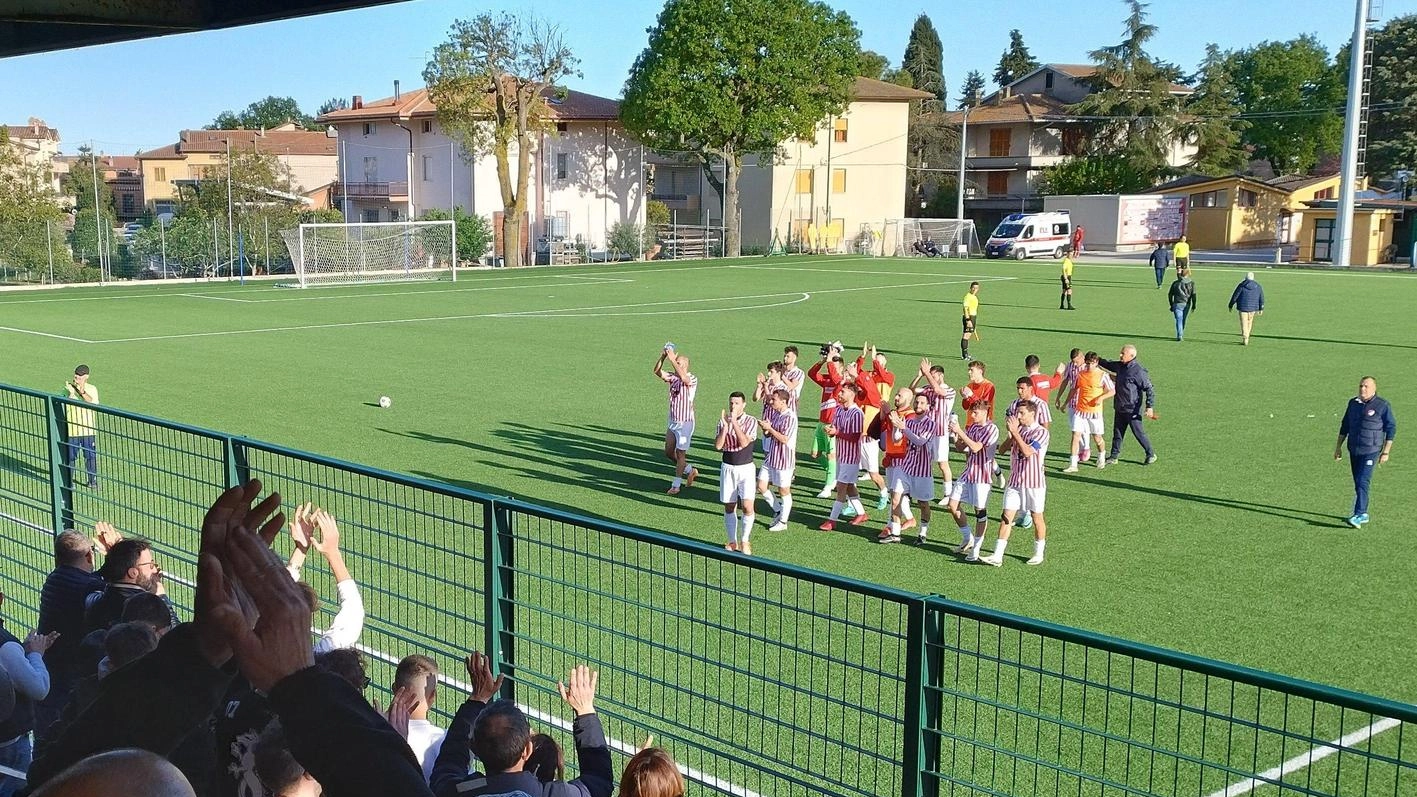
[1248, 298]
[1369, 428]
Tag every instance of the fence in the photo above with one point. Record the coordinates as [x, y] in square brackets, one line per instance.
[760, 677]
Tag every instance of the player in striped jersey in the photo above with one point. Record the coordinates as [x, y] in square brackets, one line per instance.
[1091, 390]
[734, 437]
[915, 468]
[890, 428]
[779, 423]
[792, 376]
[979, 443]
[847, 426]
[682, 387]
[768, 384]
[1026, 393]
[942, 405]
[1027, 490]
[829, 379]
[1064, 380]
[873, 383]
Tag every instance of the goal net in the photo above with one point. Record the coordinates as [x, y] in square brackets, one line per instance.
[391, 251]
[930, 238]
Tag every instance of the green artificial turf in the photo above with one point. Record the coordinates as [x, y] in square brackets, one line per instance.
[537, 384]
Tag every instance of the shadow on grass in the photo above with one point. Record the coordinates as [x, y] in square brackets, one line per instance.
[14, 465]
[1087, 333]
[1339, 342]
[1318, 519]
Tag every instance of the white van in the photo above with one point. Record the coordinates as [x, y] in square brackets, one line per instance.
[1025, 235]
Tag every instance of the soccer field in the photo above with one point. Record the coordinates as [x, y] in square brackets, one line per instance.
[537, 383]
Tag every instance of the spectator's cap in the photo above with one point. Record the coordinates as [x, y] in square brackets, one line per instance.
[82, 370]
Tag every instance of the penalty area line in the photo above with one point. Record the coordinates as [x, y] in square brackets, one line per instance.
[1275, 775]
[45, 334]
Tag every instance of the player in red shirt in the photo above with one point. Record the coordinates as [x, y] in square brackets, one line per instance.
[1043, 384]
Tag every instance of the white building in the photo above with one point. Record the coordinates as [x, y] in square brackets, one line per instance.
[587, 174]
[38, 145]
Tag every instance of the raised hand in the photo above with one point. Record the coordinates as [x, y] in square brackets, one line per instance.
[479, 674]
[302, 527]
[579, 689]
[328, 543]
[216, 594]
[401, 709]
[105, 536]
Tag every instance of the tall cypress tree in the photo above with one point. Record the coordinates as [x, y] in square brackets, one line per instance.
[973, 89]
[925, 61]
[1016, 61]
[1215, 130]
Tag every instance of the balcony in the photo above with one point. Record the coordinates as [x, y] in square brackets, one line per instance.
[393, 190]
[678, 201]
[1014, 161]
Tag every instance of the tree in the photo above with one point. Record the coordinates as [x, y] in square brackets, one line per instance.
[489, 81]
[1392, 122]
[1132, 99]
[31, 222]
[724, 86]
[1095, 174]
[267, 113]
[93, 242]
[332, 104]
[475, 234]
[972, 91]
[925, 61]
[873, 65]
[1213, 126]
[1016, 61]
[79, 182]
[1295, 85]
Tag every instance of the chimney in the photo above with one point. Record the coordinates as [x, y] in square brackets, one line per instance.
[396, 91]
[357, 103]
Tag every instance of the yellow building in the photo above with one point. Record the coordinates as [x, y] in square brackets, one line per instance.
[1239, 212]
[1374, 226]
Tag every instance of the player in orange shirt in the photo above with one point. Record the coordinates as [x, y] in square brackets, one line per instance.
[1091, 390]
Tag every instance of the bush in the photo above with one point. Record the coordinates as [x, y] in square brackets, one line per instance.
[656, 213]
[474, 232]
[627, 238]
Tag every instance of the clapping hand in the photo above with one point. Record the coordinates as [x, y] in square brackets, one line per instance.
[579, 689]
[1013, 423]
[479, 674]
[328, 543]
[831, 430]
[302, 527]
[39, 643]
[401, 709]
[105, 536]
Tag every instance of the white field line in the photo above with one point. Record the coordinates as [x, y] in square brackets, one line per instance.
[212, 297]
[544, 313]
[551, 719]
[587, 282]
[801, 297]
[1272, 777]
[45, 334]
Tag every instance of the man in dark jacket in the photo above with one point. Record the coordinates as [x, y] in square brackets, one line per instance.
[61, 609]
[1160, 262]
[1369, 427]
[129, 569]
[1248, 298]
[1182, 298]
[1135, 397]
[501, 737]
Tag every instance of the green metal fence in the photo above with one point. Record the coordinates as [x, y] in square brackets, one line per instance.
[761, 678]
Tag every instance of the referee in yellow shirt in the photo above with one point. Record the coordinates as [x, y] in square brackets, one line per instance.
[1182, 251]
[1065, 302]
[971, 314]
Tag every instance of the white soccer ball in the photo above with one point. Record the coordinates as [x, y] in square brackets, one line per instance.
[385, 402]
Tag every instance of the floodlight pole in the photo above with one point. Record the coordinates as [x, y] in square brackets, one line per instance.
[1348, 182]
[97, 212]
[410, 169]
[963, 148]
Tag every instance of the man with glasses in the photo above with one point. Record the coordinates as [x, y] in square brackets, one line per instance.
[129, 569]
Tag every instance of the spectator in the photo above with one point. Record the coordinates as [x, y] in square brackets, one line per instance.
[1160, 262]
[123, 644]
[419, 675]
[500, 736]
[546, 762]
[1182, 299]
[150, 609]
[276, 768]
[82, 434]
[1248, 298]
[129, 569]
[103, 773]
[651, 773]
[1136, 398]
[24, 662]
[340, 740]
[7, 693]
[349, 621]
[61, 611]
[1369, 428]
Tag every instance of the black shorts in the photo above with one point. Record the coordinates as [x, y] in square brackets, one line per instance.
[968, 324]
[1067, 282]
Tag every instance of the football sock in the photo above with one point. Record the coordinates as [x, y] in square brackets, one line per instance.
[730, 526]
[688, 469]
[1073, 460]
[1000, 546]
[924, 530]
[1038, 548]
[678, 482]
[836, 510]
[895, 527]
[856, 505]
[905, 509]
[786, 509]
[770, 498]
[747, 526]
[964, 349]
[966, 537]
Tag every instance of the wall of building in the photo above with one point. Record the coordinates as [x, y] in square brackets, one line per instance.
[602, 182]
[1065, 87]
[1098, 213]
[1372, 234]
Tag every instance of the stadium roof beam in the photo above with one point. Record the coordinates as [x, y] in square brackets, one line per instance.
[36, 26]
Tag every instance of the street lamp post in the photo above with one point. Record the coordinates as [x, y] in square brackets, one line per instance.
[410, 168]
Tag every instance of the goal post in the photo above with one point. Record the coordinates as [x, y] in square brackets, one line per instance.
[360, 252]
[931, 238]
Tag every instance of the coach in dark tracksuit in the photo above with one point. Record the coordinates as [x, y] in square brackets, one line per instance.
[1135, 397]
[1369, 428]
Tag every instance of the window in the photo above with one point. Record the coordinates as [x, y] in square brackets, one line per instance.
[1048, 80]
[1062, 229]
[839, 130]
[1000, 142]
[129, 207]
[160, 174]
[998, 184]
[427, 168]
[803, 180]
[563, 165]
[561, 127]
[838, 181]
[1208, 199]
[1248, 198]
[393, 214]
[371, 168]
[369, 216]
[1327, 193]
[427, 125]
[368, 128]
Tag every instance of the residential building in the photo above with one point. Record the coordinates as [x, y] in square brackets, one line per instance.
[398, 162]
[843, 183]
[38, 144]
[1022, 129]
[311, 156]
[123, 174]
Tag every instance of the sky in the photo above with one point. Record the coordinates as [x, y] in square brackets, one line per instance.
[137, 95]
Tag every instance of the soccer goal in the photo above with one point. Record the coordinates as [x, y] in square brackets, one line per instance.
[930, 238]
[387, 251]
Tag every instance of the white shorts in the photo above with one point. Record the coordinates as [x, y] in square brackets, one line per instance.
[976, 495]
[921, 488]
[847, 473]
[1026, 499]
[777, 477]
[896, 481]
[736, 483]
[871, 456]
[683, 433]
[940, 448]
[1087, 423]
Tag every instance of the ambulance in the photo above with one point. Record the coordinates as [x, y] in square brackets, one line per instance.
[1025, 235]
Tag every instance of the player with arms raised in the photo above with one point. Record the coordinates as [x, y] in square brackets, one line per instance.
[682, 387]
[1026, 491]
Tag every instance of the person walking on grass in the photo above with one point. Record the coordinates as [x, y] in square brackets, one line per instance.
[1136, 398]
[1369, 427]
[1182, 253]
[1160, 262]
[1248, 298]
[1182, 299]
